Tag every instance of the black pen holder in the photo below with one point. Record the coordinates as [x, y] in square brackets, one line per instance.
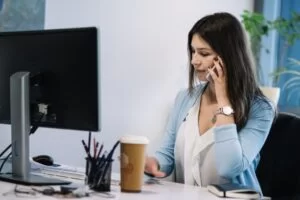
[99, 175]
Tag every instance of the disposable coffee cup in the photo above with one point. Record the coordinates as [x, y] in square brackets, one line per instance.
[132, 157]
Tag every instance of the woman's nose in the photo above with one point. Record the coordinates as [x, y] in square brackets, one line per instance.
[195, 59]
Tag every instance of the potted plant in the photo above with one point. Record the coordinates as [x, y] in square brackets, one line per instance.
[258, 26]
[293, 83]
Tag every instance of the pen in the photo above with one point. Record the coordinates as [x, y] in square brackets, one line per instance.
[108, 161]
[102, 160]
[86, 150]
[99, 152]
[109, 156]
[96, 144]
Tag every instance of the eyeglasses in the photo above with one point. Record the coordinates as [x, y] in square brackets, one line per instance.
[28, 191]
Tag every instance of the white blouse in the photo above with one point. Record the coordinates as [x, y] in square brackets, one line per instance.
[194, 154]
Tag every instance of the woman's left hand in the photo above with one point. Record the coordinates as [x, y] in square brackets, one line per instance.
[220, 83]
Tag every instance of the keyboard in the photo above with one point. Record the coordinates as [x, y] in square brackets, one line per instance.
[61, 171]
[58, 170]
[71, 173]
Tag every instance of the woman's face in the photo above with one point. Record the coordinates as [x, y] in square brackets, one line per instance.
[202, 57]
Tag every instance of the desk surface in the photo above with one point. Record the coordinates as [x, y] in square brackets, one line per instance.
[163, 190]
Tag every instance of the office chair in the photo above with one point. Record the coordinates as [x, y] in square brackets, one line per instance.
[278, 171]
[272, 93]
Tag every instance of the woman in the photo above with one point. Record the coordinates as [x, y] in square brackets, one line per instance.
[216, 130]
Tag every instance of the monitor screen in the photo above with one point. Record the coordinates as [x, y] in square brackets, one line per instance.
[63, 69]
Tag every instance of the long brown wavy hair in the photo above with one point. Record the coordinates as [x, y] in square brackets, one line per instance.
[225, 35]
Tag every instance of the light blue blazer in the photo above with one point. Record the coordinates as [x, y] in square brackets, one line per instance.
[237, 153]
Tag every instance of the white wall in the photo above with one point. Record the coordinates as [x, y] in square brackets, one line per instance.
[143, 64]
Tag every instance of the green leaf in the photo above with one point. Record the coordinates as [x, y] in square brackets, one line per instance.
[293, 91]
[258, 26]
[294, 72]
[291, 82]
[279, 71]
[294, 62]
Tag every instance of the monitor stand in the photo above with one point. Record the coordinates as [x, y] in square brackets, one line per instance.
[20, 128]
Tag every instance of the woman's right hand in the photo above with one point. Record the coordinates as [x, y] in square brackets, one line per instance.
[152, 167]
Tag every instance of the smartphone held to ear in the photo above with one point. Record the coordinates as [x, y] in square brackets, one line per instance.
[208, 75]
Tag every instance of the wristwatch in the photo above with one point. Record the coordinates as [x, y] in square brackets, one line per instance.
[225, 110]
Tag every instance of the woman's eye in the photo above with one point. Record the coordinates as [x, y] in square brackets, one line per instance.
[204, 54]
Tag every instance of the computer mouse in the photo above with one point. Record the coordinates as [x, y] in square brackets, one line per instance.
[43, 159]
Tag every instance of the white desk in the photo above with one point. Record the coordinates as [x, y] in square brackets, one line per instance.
[163, 191]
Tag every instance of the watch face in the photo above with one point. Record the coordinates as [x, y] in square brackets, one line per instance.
[227, 110]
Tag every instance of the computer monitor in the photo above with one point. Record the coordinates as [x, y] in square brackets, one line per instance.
[63, 72]
[48, 78]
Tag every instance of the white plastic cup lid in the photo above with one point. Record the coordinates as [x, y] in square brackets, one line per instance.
[134, 139]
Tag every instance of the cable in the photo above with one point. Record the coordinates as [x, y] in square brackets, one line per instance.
[5, 150]
[32, 131]
[4, 161]
[36, 126]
